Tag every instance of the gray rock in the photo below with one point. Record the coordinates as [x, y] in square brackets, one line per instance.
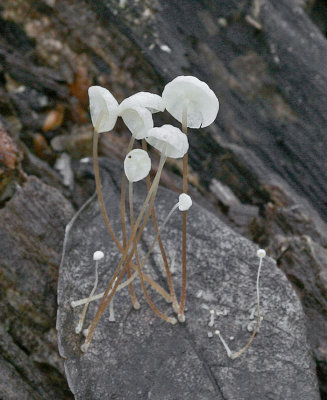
[31, 232]
[141, 356]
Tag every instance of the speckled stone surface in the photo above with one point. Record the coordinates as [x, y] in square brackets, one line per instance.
[141, 356]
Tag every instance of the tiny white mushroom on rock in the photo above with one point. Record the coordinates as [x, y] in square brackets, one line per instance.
[97, 256]
[184, 202]
[261, 254]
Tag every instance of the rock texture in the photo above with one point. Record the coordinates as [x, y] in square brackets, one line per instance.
[31, 233]
[266, 62]
[141, 356]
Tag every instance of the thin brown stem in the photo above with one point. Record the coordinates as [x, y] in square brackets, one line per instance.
[162, 250]
[138, 263]
[181, 316]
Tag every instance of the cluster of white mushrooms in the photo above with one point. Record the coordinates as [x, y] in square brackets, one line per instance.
[192, 103]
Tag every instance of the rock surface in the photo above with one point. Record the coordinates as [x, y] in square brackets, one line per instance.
[31, 232]
[266, 61]
[141, 356]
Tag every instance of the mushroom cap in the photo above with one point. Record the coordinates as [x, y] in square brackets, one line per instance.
[103, 105]
[137, 165]
[261, 253]
[185, 203]
[150, 101]
[138, 120]
[201, 102]
[170, 139]
[98, 255]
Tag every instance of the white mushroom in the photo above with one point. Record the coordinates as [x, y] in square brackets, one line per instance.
[97, 256]
[168, 139]
[188, 92]
[138, 120]
[103, 108]
[137, 165]
[261, 253]
[152, 102]
[184, 202]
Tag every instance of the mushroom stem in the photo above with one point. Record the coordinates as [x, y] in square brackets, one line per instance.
[162, 250]
[79, 326]
[138, 264]
[106, 299]
[157, 235]
[155, 286]
[181, 316]
[103, 209]
[242, 350]
[135, 302]
[150, 249]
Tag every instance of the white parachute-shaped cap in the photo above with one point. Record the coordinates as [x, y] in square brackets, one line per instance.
[137, 165]
[200, 101]
[150, 101]
[169, 139]
[103, 108]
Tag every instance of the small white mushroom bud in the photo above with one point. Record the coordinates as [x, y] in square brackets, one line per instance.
[137, 165]
[98, 255]
[184, 202]
[261, 253]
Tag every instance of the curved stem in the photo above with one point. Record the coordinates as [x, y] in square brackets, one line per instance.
[162, 250]
[181, 316]
[242, 350]
[82, 317]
